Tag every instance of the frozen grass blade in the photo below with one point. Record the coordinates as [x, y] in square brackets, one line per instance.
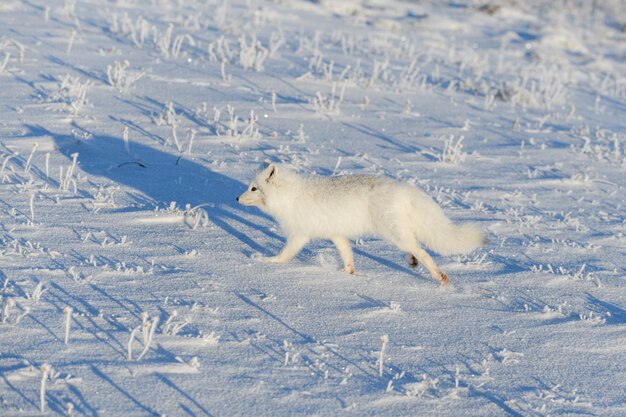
[5, 162]
[66, 180]
[31, 205]
[7, 304]
[67, 312]
[70, 42]
[148, 336]
[38, 292]
[22, 315]
[30, 158]
[5, 62]
[130, 343]
[45, 369]
[125, 138]
[384, 340]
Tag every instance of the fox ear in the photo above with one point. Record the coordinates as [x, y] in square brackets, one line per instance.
[271, 169]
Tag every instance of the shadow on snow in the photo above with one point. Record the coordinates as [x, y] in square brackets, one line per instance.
[159, 178]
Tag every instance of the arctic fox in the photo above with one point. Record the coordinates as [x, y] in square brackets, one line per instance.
[343, 207]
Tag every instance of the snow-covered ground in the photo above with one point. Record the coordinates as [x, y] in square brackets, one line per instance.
[128, 127]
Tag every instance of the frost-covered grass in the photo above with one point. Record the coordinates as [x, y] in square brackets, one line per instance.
[128, 279]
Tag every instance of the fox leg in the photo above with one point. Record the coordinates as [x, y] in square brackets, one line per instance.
[413, 263]
[345, 251]
[292, 247]
[421, 256]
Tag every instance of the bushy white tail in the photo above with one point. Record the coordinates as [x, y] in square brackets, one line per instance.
[449, 238]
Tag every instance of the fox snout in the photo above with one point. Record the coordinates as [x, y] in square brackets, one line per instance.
[250, 198]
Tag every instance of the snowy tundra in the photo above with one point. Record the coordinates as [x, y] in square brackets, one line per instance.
[129, 284]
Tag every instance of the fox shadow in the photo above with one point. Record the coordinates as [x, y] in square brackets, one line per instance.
[158, 178]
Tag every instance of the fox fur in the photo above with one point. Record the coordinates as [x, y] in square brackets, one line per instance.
[340, 208]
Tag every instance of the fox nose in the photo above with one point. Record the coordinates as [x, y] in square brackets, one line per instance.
[237, 199]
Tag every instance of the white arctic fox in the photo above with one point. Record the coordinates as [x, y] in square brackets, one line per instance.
[343, 207]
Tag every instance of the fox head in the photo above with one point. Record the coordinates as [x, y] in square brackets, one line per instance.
[255, 195]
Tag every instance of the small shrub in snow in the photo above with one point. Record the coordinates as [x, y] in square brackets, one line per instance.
[277, 39]
[148, 328]
[233, 120]
[328, 105]
[251, 131]
[71, 92]
[171, 327]
[452, 152]
[66, 180]
[421, 388]
[163, 41]
[211, 339]
[121, 79]
[219, 51]
[301, 136]
[253, 54]
[593, 318]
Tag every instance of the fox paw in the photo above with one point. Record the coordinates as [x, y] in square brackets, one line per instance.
[348, 269]
[443, 278]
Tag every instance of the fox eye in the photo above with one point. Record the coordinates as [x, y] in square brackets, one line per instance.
[253, 189]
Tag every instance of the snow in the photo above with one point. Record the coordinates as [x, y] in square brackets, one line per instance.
[509, 114]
